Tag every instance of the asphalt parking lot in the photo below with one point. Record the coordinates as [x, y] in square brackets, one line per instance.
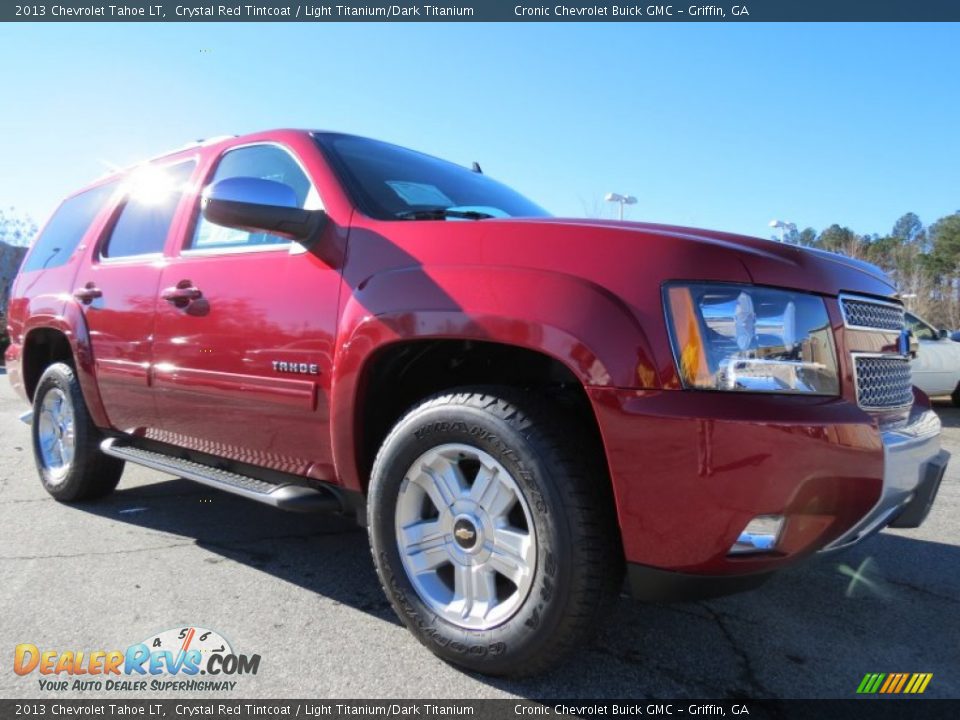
[301, 591]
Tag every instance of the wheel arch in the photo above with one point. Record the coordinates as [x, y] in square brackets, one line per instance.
[578, 333]
[402, 373]
[62, 338]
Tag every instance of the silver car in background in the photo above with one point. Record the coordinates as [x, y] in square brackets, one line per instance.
[936, 369]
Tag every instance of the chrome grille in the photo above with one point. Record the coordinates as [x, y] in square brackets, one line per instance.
[883, 381]
[861, 313]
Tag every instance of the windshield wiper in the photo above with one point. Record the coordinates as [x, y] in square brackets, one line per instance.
[442, 214]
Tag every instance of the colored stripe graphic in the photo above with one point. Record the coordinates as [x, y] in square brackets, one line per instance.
[870, 683]
[891, 679]
[894, 683]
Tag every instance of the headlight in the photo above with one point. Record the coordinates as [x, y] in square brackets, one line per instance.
[741, 337]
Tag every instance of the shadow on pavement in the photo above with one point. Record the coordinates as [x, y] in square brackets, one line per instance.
[890, 604]
[323, 553]
[949, 415]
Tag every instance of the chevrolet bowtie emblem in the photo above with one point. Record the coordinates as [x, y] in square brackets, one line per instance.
[464, 533]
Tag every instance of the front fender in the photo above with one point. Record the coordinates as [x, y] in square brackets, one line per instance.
[579, 323]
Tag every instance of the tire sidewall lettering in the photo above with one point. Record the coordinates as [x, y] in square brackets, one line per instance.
[406, 446]
[496, 446]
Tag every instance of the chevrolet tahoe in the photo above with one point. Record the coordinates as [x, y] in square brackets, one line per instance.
[522, 410]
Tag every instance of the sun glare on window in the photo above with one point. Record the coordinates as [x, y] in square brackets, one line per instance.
[152, 186]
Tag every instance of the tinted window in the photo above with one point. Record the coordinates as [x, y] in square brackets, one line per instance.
[387, 181]
[268, 162]
[144, 222]
[66, 228]
[920, 329]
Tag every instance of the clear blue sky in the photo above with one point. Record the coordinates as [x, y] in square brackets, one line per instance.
[714, 125]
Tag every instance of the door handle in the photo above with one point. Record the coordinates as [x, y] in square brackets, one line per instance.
[181, 294]
[88, 293]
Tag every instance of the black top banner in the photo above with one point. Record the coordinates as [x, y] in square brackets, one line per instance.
[485, 11]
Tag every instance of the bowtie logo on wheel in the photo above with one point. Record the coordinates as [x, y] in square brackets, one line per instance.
[188, 658]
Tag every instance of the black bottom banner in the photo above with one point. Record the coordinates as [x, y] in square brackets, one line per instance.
[892, 709]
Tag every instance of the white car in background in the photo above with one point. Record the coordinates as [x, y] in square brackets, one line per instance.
[936, 369]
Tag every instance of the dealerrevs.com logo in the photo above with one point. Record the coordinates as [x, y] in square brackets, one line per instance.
[191, 659]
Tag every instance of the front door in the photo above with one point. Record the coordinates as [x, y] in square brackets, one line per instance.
[244, 335]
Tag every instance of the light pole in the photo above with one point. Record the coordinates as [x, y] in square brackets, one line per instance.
[782, 226]
[621, 199]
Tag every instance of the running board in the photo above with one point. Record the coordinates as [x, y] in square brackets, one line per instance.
[298, 498]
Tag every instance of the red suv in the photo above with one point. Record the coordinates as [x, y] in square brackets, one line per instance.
[520, 408]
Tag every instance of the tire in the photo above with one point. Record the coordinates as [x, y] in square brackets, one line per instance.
[531, 505]
[66, 443]
[955, 396]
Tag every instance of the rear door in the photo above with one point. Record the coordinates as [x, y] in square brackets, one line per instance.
[117, 290]
[244, 334]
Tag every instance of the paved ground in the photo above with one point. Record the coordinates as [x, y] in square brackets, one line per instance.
[301, 591]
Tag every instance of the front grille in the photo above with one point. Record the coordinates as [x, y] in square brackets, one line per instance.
[858, 313]
[883, 381]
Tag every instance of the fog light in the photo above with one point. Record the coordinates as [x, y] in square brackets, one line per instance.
[760, 535]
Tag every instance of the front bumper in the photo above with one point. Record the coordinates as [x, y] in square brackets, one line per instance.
[691, 470]
[913, 466]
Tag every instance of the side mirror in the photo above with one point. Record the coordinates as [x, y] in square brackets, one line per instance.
[259, 205]
[942, 334]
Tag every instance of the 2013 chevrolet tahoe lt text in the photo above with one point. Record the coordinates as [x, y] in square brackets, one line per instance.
[520, 408]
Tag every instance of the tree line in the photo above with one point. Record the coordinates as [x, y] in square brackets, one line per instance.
[924, 261]
[16, 233]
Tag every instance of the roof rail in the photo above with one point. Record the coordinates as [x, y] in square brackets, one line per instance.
[203, 142]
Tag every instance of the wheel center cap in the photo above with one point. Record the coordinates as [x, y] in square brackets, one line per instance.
[465, 533]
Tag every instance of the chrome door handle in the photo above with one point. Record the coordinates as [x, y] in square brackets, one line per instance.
[181, 294]
[88, 293]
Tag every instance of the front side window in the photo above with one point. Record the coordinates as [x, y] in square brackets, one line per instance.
[920, 329]
[66, 228]
[153, 195]
[389, 182]
[268, 162]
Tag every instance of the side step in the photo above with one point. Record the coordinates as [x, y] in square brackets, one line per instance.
[284, 496]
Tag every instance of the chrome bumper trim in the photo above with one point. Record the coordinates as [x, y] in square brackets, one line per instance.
[907, 451]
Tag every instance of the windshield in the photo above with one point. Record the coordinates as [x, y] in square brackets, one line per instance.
[389, 182]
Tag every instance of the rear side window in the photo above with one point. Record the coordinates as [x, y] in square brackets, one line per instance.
[147, 214]
[66, 228]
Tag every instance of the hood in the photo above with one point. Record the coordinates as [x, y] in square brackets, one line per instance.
[766, 261]
[855, 263]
